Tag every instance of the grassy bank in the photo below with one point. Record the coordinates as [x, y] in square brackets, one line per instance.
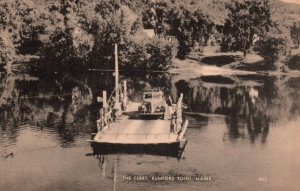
[212, 62]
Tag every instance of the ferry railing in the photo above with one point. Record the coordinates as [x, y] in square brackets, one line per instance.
[109, 112]
[176, 117]
[177, 125]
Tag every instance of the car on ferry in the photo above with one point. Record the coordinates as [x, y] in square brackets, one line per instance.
[153, 104]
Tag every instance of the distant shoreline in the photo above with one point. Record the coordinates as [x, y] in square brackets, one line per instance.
[235, 64]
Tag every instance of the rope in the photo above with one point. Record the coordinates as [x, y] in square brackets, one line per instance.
[112, 93]
[136, 134]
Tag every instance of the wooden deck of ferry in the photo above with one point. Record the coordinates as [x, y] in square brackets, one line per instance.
[130, 129]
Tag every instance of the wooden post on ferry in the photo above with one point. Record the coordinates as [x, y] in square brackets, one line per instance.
[105, 109]
[117, 105]
[179, 120]
[179, 112]
[104, 94]
[124, 94]
[103, 112]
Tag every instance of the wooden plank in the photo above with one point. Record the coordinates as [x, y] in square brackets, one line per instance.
[130, 129]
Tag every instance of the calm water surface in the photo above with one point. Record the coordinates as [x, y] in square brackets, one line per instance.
[244, 134]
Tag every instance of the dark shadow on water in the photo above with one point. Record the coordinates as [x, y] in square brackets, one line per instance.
[294, 82]
[170, 150]
[257, 66]
[252, 77]
[196, 120]
[220, 60]
[217, 79]
[294, 62]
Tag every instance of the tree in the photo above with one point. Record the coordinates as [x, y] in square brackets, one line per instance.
[7, 48]
[245, 21]
[108, 22]
[274, 50]
[112, 22]
[180, 19]
[65, 42]
[17, 20]
[202, 27]
[180, 26]
[295, 33]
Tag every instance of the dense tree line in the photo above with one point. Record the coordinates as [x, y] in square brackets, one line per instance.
[68, 32]
[65, 33]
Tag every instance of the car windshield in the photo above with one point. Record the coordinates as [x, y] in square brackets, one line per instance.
[154, 95]
[147, 95]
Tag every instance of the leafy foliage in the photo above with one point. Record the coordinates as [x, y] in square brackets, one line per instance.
[273, 49]
[65, 43]
[245, 20]
[15, 19]
[83, 32]
[179, 19]
[7, 48]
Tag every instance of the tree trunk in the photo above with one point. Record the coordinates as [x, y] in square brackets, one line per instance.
[298, 38]
[245, 49]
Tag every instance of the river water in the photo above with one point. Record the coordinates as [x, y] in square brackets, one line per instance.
[243, 134]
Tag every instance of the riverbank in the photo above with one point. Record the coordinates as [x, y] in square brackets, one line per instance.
[212, 62]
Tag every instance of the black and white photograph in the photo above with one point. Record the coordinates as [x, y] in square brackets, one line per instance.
[149, 95]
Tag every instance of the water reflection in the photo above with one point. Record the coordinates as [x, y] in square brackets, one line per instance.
[67, 102]
[62, 103]
[248, 111]
[250, 103]
[45, 103]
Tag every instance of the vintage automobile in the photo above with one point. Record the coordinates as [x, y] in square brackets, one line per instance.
[153, 104]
